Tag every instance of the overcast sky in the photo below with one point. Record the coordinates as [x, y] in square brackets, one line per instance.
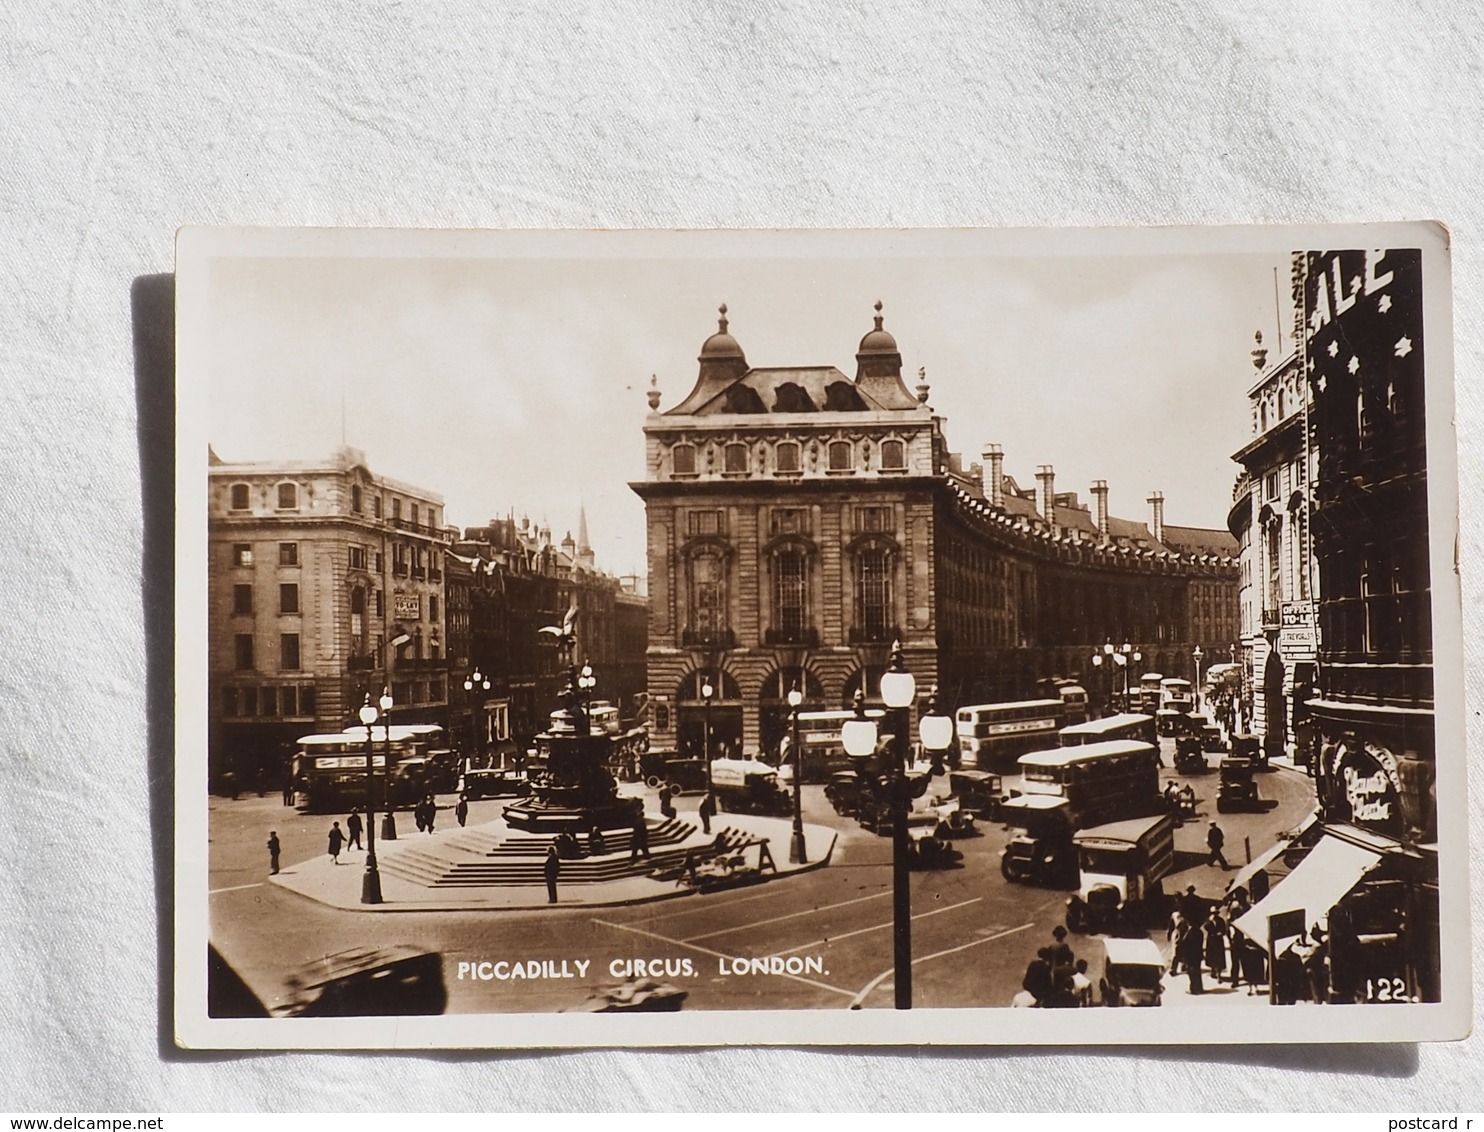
[505, 378]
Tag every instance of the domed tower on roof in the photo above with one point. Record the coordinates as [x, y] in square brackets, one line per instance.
[722, 362]
[878, 368]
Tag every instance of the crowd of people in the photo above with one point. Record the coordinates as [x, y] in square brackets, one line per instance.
[1055, 977]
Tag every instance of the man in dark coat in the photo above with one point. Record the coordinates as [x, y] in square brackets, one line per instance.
[1215, 840]
[273, 850]
[461, 811]
[639, 842]
[353, 826]
[553, 870]
[707, 811]
[1188, 947]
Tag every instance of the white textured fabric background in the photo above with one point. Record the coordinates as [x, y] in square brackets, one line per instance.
[122, 121]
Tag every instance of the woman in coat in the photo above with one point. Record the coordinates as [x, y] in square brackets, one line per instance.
[1216, 946]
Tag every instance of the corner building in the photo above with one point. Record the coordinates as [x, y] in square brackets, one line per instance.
[315, 569]
[800, 521]
[1363, 346]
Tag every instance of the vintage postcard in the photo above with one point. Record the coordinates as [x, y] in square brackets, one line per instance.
[677, 638]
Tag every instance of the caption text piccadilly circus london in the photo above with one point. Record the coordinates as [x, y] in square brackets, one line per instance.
[507, 970]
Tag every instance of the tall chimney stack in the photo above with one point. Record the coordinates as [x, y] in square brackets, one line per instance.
[1100, 493]
[1157, 502]
[1046, 474]
[994, 476]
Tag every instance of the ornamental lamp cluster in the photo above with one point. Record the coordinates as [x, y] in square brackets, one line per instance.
[897, 787]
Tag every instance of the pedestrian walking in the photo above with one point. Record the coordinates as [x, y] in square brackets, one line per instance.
[1215, 839]
[667, 805]
[337, 839]
[1174, 933]
[707, 810]
[461, 811]
[353, 826]
[1216, 935]
[1253, 960]
[273, 850]
[432, 812]
[288, 787]
[1188, 948]
[639, 841]
[553, 870]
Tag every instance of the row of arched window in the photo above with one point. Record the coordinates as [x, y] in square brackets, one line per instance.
[789, 456]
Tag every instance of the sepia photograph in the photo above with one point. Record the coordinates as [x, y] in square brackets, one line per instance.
[817, 637]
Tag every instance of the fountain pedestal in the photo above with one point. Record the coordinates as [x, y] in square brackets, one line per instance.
[575, 792]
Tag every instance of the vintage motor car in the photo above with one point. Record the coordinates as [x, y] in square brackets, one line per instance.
[494, 783]
[748, 786]
[1250, 747]
[844, 793]
[1120, 869]
[979, 792]
[1190, 755]
[928, 848]
[397, 979]
[684, 775]
[1238, 789]
[1133, 973]
[1043, 851]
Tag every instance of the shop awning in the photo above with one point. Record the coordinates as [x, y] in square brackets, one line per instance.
[1332, 868]
[1243, 879]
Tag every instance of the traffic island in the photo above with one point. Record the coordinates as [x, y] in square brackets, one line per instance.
[494, 867]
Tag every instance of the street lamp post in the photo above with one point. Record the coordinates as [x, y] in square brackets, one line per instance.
[388, 823]
[796, 851]
[1097, 664]
[1126, 658]
[477, 682]
[1197, 654]
[586, 682]
[371, 881]
[707, 692]
[898, 690]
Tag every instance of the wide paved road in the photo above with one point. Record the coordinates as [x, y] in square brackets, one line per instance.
[973, 933]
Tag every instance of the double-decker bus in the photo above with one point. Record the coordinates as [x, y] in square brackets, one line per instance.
[823, 752]
[1100, 782]
[1126, 725]
[440, 763]
[991, 735]
[330, 770]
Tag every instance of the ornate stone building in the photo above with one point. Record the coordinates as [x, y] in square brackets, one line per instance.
[800, 520]
[1270, 518]
[507, 581]
[314, 567]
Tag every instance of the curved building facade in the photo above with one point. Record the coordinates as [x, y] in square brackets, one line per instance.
[801, 520]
